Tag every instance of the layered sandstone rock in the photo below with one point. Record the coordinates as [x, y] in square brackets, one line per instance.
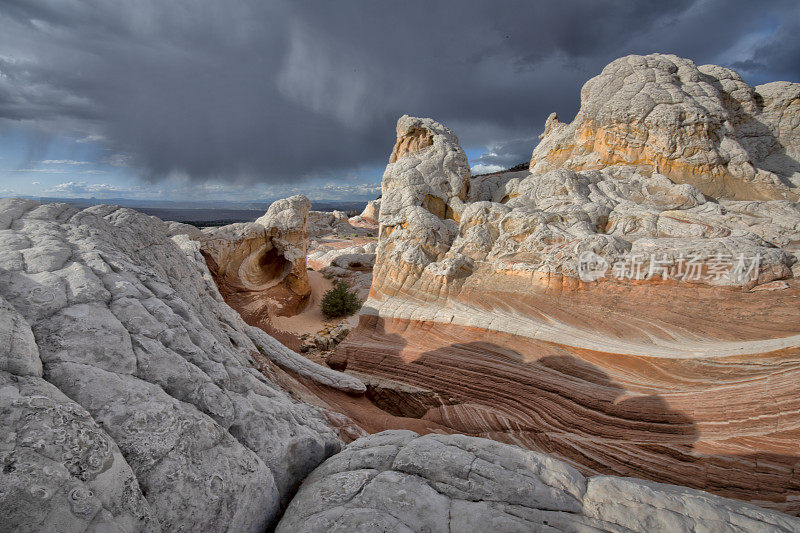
[398, 481]
[129, 394]
[439, 227]
[698, 125]
[133, 403]
[369, 215]
[260, 267]
[609, 316]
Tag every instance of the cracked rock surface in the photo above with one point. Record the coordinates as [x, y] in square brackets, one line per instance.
[439, 226]
[128, 395]
[399, 481]
[629, 303]
[701, 125]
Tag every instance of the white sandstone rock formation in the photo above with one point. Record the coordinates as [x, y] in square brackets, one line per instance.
[370, 214]
[525, 301]
[350, 257]
[428, 174]
[438, 223]
[323, 223]
[399, 481]
[662, 114]
[545, 221]
[128, 392]
[263, 261]
[446, 238]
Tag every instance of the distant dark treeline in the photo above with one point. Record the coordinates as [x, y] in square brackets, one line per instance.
[519, 166]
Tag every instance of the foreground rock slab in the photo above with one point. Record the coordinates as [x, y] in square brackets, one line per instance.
[399, 481]
[129, 395]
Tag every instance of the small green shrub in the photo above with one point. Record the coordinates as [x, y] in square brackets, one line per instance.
[340, 301]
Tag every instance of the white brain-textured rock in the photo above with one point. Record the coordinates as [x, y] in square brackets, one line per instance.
[436, 219]
[60, 469]
[127, 387]
[399, 481]
[620, 281]
[321, 223]
[698, 125]
[432, 173]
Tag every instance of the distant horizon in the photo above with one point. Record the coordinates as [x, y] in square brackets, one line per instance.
[189, 204]
[180, 189]
[200, 213]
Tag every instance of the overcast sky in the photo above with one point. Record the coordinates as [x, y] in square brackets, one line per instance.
[254, 99]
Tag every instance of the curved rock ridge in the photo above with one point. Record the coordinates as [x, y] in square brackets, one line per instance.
[370, 214]
[698, 125]
[629, 324]
[446, 239]
[260, 267]
[128, 388]
[399, 481]
[727, 425]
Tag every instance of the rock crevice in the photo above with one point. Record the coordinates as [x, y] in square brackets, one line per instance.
[404, 482]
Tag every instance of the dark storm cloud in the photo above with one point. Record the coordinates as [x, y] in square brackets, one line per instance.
[271, 91]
